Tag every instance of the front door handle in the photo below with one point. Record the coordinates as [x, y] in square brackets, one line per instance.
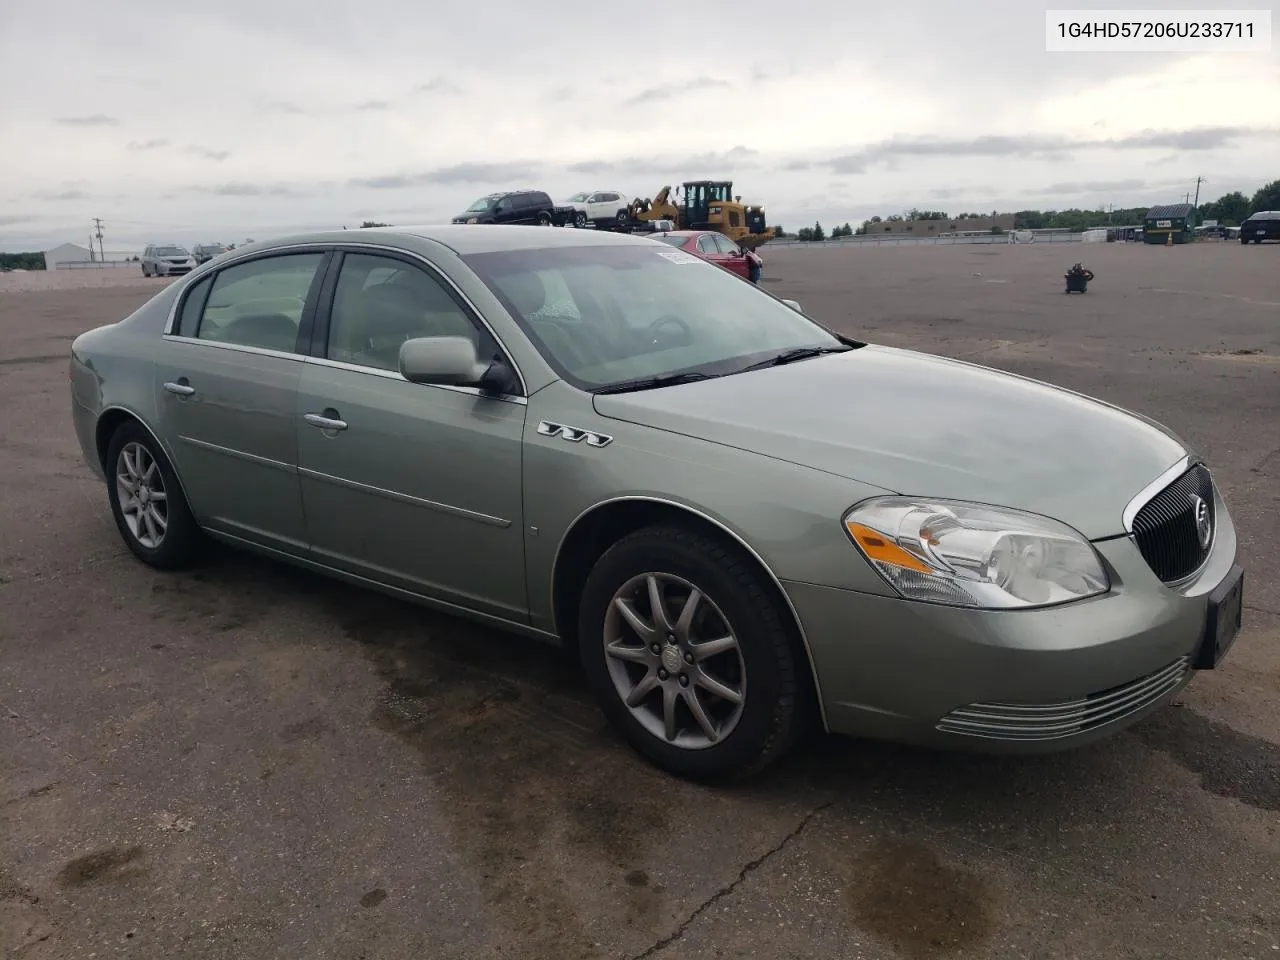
[180, 387]
[325, 422]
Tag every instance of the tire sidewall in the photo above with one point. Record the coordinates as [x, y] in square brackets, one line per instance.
[177, 547]
[750, 619]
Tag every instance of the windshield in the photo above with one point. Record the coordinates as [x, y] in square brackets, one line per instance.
[579, 197]
[484, 203]
[674, 241]
[602, 315]
[170, 252]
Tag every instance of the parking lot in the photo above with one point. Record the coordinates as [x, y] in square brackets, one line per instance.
[251, 761]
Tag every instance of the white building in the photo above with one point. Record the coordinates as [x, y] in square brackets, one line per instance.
[66, 253]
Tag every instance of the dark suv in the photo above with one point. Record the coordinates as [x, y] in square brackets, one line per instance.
[1263, 225]
[517, 206]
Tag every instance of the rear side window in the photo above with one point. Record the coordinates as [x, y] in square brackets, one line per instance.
[539, 200]
[707, 244]
[189, 318]
[259, 303]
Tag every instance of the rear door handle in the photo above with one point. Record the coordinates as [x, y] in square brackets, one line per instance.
[325, 423]
[180, 387]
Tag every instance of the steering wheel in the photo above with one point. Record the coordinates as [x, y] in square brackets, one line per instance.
[670, 320]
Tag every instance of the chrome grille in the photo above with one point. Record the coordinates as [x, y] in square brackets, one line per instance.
[1049, 721]
[1165, 528]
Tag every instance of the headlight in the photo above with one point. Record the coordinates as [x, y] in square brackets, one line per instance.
[474, 220]
[972, 555]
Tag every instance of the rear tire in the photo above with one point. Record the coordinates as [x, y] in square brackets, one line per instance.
[147, 501]
[736, 603]
[544, 219]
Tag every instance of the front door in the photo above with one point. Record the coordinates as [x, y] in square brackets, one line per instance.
[226, 381]
[414, 485]
[735, 259]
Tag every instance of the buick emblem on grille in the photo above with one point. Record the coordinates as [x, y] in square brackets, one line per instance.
[1204, 523]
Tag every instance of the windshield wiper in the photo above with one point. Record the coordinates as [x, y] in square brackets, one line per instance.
[651, 383]
[791, 356]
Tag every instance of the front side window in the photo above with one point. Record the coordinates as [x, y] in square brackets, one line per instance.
[380, 302]
[259, 303]
[726, 246]
[602, 315]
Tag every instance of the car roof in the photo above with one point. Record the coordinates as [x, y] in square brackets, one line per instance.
[466, 239]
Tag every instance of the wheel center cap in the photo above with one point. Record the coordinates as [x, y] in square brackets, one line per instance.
[672, 661]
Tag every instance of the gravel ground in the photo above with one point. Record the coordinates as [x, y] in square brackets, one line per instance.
[32, 281]
[249, 761]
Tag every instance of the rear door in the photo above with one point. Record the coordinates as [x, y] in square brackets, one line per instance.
[226, 389]
[414, 485]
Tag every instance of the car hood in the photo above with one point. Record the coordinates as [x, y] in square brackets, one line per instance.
[925, 426]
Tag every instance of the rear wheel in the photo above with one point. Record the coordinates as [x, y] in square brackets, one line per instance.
[544, 219]
[147, 502]
[690, 654]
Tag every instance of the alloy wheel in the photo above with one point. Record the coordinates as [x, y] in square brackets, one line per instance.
[675, 660]
[141, 493]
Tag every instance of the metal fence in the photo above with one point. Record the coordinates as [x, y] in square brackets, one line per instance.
[902, 240]
[93, 264]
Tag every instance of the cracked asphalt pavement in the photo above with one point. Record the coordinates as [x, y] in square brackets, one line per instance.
[251, 761]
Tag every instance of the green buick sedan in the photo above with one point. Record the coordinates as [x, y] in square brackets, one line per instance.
[744, 524]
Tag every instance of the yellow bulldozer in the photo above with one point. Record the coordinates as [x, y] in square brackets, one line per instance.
[706, 205]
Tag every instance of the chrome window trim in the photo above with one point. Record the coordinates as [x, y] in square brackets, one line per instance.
[406, 498]
[238, 347]
[1143, 496]
[773, 577]
[305, 246]
[397, 375]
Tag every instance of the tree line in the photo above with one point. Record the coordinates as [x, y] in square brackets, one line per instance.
[1229, 210]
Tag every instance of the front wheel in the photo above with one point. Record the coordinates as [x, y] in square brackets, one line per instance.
[147, 502]
[691, 655]
[580, 220]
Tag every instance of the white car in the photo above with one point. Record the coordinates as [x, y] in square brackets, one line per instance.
[166, 260]
[601, 207]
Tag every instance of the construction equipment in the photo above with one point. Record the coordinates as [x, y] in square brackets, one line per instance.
[706, 205]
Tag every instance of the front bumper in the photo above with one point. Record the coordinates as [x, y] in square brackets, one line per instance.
[1025, 681]
[173, 269]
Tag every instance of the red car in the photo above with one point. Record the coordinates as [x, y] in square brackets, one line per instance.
[714, 246]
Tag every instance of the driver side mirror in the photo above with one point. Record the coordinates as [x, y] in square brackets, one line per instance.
[450, 361]
[794, 305]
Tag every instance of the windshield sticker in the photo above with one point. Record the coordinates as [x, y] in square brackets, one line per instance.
[678, 256]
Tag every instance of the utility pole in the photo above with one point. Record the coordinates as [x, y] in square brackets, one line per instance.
[97, 222]
[1199, 180]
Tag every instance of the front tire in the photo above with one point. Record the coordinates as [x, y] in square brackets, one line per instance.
[147, 502]
[690, 654]
[580, 220]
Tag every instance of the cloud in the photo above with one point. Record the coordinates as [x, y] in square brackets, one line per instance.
[280, 106]
[15, 218]
[209, 154]
[58, 196]
[1038, 147]
[147, 144]
[368, 105]
[438, 85]
[666, 91]
[91, 120]
[1093, 186]
[243, 189]
[501, 172]
[714, 163]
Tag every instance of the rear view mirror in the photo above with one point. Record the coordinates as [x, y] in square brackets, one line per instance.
[451, 361]
[793, 305]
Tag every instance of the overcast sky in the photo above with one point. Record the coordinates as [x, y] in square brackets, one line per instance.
[228, 119]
